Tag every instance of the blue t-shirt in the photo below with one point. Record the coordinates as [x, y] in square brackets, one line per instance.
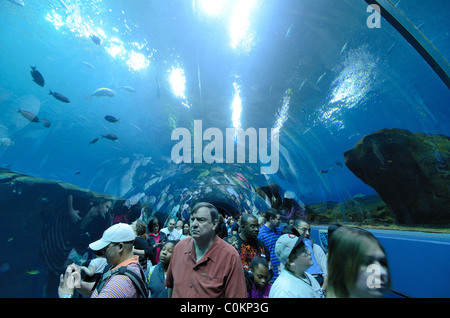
[269, 238]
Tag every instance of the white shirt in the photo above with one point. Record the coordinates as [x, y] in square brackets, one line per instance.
[99, 263]
[289, 286]
[174, 235]
[321, 259]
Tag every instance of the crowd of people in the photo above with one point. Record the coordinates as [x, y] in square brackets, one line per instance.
[217, 256]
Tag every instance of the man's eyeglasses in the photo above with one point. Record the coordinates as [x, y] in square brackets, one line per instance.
[103, 250]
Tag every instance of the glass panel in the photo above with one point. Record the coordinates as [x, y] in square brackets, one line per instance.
[316, 108]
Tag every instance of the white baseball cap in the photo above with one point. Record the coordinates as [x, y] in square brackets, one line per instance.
[285, 245]
[117, 233]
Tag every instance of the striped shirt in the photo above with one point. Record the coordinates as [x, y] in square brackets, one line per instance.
[120, 286]
[270, 237]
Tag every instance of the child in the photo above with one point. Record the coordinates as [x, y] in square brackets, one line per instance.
[157, 274]
[95, 269]
[260, 282]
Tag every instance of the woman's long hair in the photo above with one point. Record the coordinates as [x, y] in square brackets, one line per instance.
[151, 224]
[347, 250]
[141, 229]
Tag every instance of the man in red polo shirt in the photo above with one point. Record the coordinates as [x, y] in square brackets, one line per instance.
[204, 265]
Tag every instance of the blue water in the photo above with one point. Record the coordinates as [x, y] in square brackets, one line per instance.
[377, 82]
[314, 70]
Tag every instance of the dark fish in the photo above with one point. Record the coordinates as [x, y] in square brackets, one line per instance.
[93, 141]
[60, 97]
[28, 115]
[78, 172]
[37, 77]
[96, 39]
[110, 137]
[111, 119]
[4, 268]
[338, 163]
[323, 171]
[45, 122]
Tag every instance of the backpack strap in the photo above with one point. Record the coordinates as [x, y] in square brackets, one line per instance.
[102, 280]
[137, 281]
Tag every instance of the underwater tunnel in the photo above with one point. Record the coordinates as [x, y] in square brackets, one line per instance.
[327, 110]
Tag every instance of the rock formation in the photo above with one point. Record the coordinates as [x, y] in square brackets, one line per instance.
[43, 222]
[409, 171]
[364, 210]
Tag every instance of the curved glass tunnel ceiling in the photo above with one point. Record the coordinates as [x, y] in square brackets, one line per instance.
[305, 80]
[317, 75]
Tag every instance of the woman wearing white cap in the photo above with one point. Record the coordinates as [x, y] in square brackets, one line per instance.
[294, 281]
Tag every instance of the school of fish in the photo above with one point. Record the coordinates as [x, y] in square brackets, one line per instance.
[38, 78]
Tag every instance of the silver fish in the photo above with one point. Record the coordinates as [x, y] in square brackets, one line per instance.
[320, 78]
[7, 142]
[129, 89]
[343, 48]
[301, 86]
[158, 89]
[89, 65]
[106, 92]
[63, 4]
[19, 3]
[289, 31]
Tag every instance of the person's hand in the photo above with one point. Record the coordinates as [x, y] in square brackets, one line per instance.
[69, 280]
[85, 269]
[74, 214]
[159, 244]
[324, 286]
